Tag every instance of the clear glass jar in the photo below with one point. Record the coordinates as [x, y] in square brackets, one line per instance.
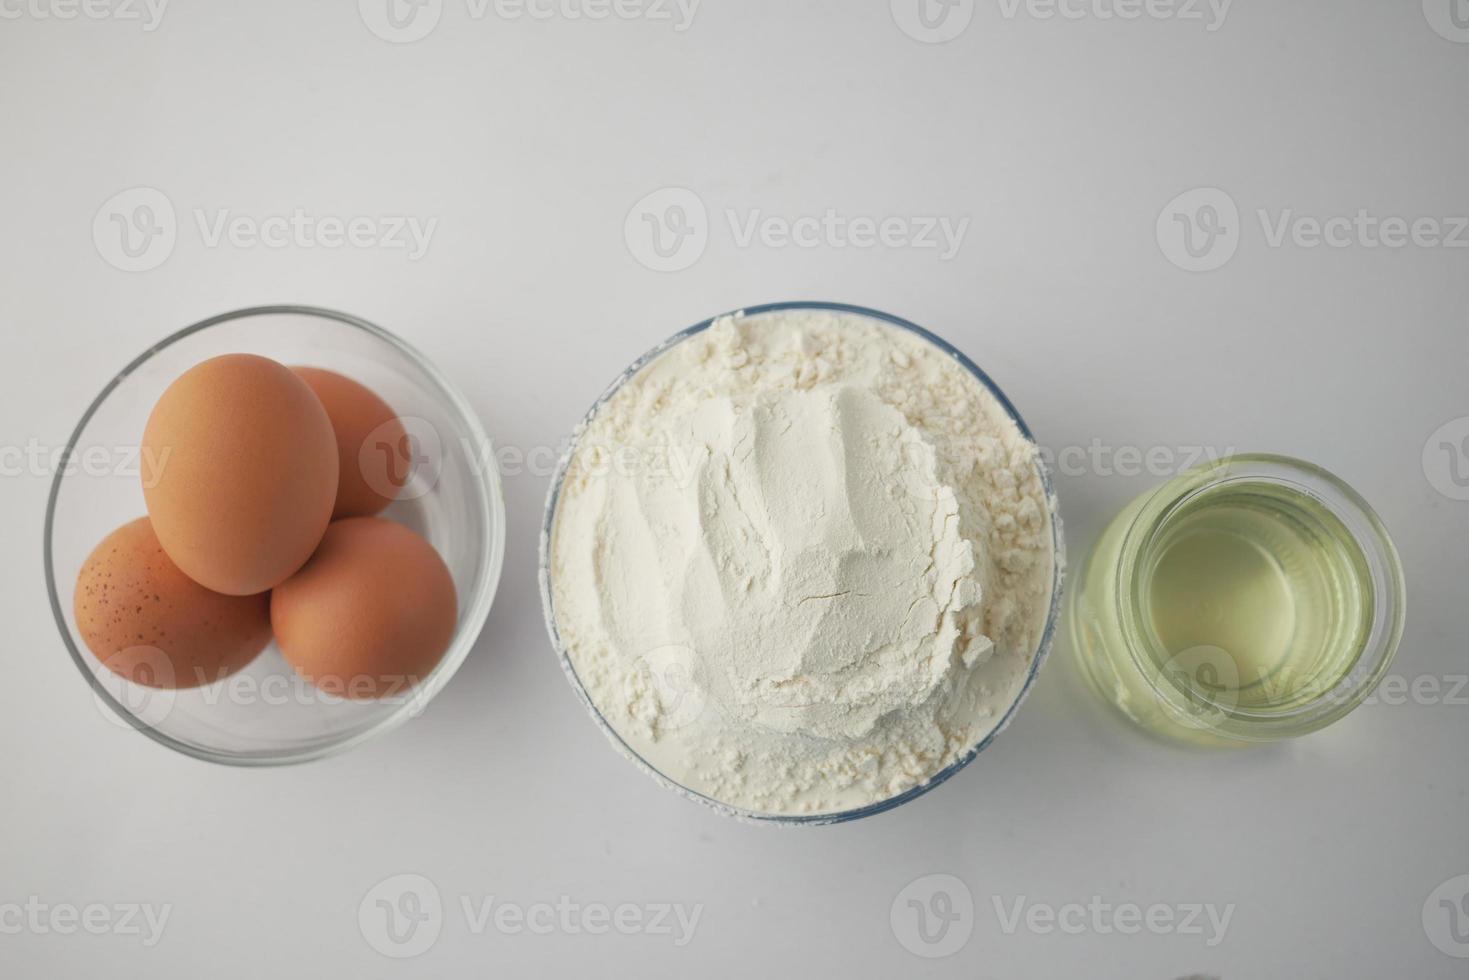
[1252, 599]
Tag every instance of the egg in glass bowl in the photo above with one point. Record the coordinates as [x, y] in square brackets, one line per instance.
[257, 709]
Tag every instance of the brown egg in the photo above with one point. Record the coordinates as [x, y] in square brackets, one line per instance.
[150, 623]
[369, 442]
[243, 473]
[371, 614]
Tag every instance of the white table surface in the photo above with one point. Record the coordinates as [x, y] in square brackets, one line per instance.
[530, 141]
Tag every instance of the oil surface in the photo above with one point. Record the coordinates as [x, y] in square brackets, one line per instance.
[1255, 597]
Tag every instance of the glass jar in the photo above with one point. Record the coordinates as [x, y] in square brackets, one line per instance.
[1252, 599]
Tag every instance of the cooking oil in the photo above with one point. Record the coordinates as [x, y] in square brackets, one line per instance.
[1250, 600]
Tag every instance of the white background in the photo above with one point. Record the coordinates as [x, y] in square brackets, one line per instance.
[1062, 140]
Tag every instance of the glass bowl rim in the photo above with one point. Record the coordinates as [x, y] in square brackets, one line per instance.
[491, 498]
[1043, 647]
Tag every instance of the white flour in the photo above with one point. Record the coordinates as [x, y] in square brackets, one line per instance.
[801, 562]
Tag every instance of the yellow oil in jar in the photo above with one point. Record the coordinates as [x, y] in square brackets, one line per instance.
[1269, 583]
[1235, 605]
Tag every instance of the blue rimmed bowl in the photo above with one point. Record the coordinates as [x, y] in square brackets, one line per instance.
[1039, 655]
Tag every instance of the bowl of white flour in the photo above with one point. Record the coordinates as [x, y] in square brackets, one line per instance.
[802, 562]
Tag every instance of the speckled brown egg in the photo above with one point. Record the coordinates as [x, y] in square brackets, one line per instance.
[150, 623]
[370, 442]
[243, 474]
[371, 614]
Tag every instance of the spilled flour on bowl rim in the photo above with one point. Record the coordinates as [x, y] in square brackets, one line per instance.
[801, 561]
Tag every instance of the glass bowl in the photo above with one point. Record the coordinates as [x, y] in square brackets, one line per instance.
[265, 714]
[1346, 577]
[1043, 648]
